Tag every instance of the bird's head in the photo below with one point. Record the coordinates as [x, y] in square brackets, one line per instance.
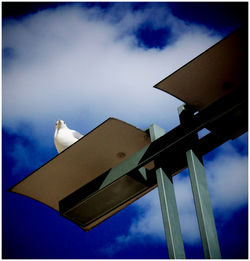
[60, 124]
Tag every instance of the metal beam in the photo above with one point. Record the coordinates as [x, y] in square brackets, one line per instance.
[178, 139]
[170, 215]
[168, 206]
[203, 207]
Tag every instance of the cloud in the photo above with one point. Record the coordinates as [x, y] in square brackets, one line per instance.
[84, 66]
[228, 180]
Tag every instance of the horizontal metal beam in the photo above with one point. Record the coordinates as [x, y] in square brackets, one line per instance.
[179, 137]
[178, 140]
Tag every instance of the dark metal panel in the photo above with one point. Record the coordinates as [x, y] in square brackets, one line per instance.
[98, 204]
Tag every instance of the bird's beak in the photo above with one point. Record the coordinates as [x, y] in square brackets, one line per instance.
[58, 123]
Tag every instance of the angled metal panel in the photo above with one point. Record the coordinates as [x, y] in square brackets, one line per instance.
[218, 71]
[106, 146]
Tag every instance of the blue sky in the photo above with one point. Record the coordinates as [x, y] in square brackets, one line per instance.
[84, 63]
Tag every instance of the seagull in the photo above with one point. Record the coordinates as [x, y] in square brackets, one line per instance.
[65, 137]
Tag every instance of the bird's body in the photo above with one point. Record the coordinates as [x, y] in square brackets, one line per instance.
[65, 137]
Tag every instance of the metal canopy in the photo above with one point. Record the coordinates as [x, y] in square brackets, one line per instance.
[218, 71]
[224, 112]
[115, 164]
[98, 151]
[127, 181]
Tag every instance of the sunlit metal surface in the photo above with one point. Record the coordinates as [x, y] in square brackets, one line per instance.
[218, 71]
[98, 151]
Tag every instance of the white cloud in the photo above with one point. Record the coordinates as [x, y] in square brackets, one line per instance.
[228, 180]
[78, 65]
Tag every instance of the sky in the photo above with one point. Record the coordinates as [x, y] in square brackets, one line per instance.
[84, 63]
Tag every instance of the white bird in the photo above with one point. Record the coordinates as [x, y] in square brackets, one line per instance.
[65, 137]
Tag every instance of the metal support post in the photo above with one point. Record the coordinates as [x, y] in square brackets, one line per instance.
[168, 206]
[202, 201]
[203, 207]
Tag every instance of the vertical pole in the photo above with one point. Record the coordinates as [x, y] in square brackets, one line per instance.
[202, 201]
[168, 206]
[203, 207]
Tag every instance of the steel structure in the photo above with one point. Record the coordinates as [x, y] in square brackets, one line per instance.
[214, 87]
